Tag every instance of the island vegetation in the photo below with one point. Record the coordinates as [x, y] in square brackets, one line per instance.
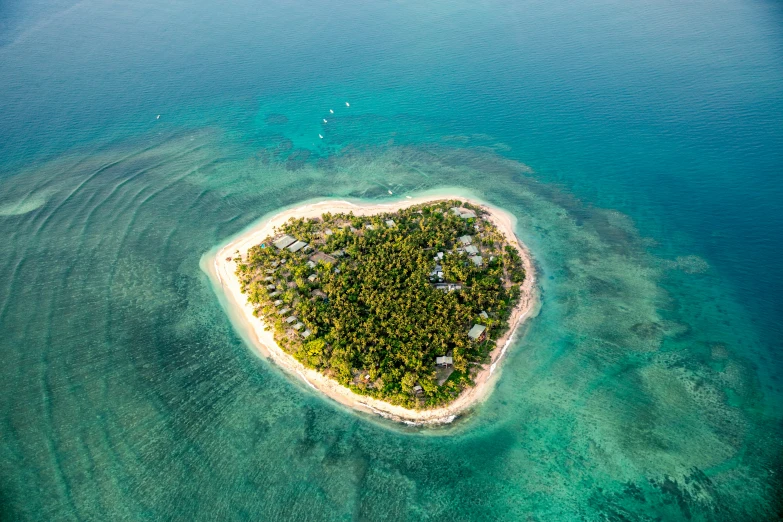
[400, 306]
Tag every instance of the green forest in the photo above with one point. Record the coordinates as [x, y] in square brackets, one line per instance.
[372, 301]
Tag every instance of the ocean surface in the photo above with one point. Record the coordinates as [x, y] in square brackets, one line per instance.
[638, 144]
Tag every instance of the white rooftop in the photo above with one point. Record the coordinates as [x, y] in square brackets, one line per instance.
[284, 241]
[476, 331]
[296, 247]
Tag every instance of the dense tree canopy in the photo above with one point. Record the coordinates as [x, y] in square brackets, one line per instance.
[390, 297]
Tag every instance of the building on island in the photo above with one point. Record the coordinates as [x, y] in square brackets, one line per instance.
[464, 213]
[325, 258]
[472, 250]
[478, 332]
[466, 240]
[389, 223]
[296, 247]
[448, 287]
[477, 260]
[284, 241]
[444, 361]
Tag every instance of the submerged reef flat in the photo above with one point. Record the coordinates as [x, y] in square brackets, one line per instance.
[403, 310]
[632, 394]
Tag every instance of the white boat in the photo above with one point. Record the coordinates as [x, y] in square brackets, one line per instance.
[158, 117]
[331, 111]
[320, 136]
[390, 192]
[324, 120]
[347, 104]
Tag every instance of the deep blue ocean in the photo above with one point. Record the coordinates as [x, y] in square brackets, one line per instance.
[638, 144]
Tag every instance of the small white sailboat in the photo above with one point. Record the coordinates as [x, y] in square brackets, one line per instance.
[331, 111]
[347, 104]
[158, 117]
[324, 120]
[320, 136]
[390, 192]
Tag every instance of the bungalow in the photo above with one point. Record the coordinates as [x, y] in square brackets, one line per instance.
[444, 361]
[290, 319]
[472, 250]
[464, 213]
[325, 258]
[283, 311]
[465, 240]
[274, 294]
[448, 287]
[478, 332]
[305, 334]
[284, 241]
[369, 227]
[311, 264]
[484, 314]
[270, 287]
[328, 232]
[298, 326]
[312, 278]
[278, 302]
[390, 223]
[296, 247]
[477, 260]
[318, 293]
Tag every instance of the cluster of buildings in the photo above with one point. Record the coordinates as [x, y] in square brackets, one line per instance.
[445, 363]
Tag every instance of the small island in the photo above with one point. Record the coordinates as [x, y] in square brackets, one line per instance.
[403, 310]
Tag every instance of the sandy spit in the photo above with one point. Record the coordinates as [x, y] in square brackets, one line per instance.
[222, 273]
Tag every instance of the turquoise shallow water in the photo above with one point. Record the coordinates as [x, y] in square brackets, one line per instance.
[639, 145]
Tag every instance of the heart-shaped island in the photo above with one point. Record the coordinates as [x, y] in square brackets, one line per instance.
[401, 309]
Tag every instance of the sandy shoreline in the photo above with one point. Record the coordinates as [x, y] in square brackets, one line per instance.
[222, 273]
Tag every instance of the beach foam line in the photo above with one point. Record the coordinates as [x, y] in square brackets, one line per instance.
[306, 380]
[217, 271]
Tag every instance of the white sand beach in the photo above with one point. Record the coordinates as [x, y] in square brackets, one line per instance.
[221, 268]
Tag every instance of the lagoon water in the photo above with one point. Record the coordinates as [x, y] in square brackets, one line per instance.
[639, 145]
